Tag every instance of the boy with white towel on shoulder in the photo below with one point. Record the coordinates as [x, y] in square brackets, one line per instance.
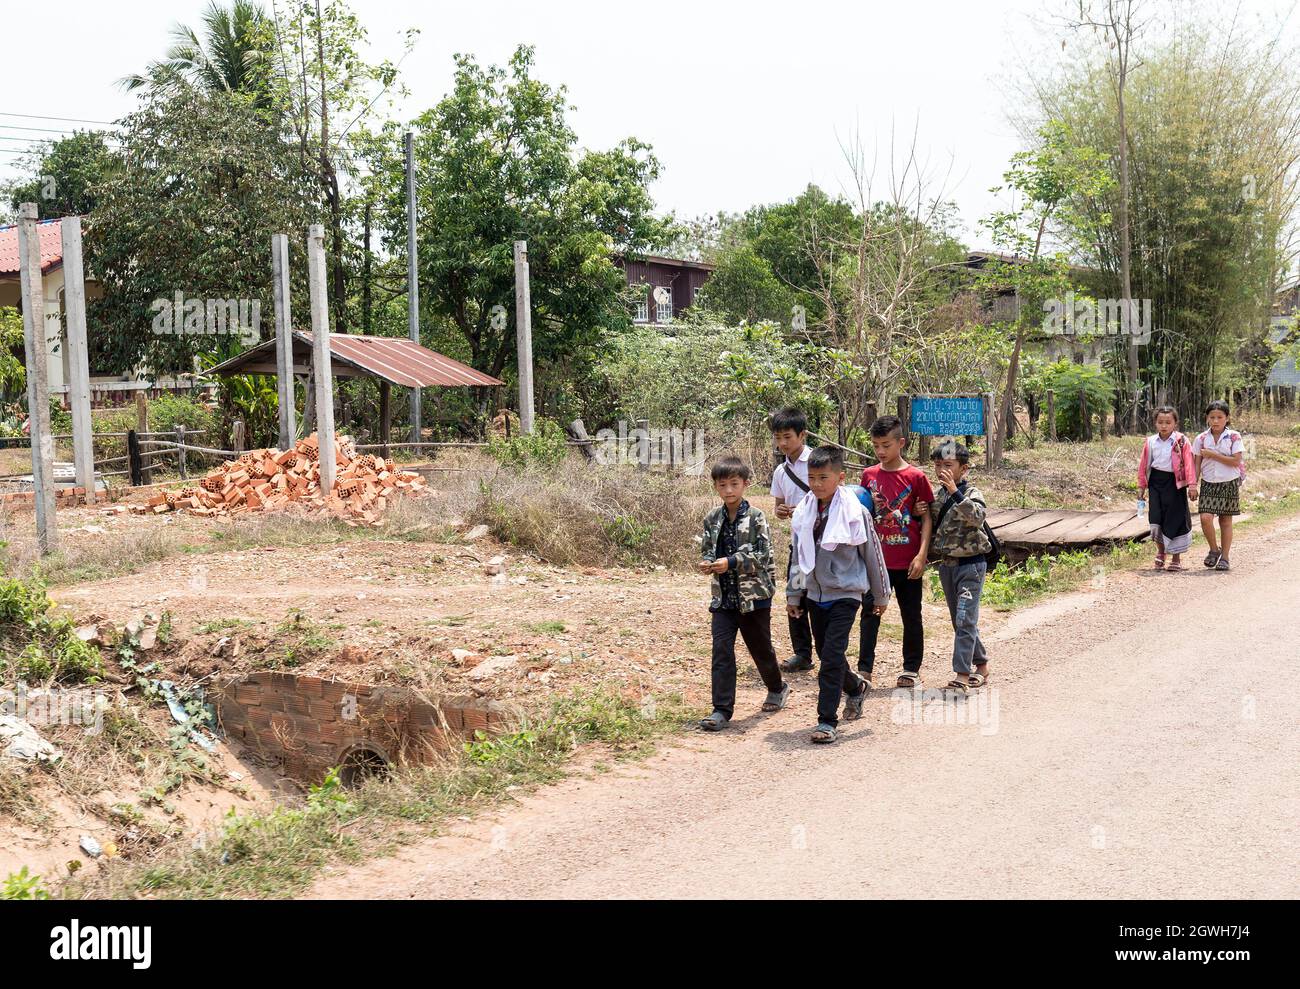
[837, 560]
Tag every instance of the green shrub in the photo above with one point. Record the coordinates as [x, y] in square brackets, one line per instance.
[546, 446]
[1069, 381]
[37, 646]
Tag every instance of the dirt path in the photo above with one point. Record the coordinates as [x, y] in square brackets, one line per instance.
[1131, 745]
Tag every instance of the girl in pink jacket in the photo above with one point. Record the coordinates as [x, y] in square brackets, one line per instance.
[1168, 472]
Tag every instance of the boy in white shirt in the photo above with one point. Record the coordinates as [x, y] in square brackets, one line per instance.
[789, 485]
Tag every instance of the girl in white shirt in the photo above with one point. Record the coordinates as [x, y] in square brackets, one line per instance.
[1219, 452]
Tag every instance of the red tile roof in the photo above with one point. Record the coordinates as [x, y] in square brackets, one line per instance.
[51, 247]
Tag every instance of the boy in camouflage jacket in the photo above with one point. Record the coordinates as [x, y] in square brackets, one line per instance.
[959, 544]
[736, 549]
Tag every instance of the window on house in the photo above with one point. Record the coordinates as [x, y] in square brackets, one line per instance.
[641, 311]
[664, 309]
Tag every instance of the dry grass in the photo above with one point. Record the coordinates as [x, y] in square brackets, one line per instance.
[594, 517]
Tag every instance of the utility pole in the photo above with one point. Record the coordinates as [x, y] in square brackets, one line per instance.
[412, 276]
[74, 294]
[38, 388]
[283, 339]
[320, 338]
[524, 336]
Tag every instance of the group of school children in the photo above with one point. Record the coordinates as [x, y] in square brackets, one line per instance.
[854, 547]
[851, 548]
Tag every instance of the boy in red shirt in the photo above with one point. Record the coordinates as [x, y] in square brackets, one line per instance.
[901, 497]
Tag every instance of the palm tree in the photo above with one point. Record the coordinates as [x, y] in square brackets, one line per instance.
[229, 56]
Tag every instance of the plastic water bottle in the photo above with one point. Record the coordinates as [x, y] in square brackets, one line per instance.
[1141, 507]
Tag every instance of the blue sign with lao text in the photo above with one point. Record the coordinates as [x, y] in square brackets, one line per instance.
[948, 416]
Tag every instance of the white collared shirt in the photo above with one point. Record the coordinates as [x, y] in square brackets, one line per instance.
[786, 489]
[1162, 453]
[1229, 444]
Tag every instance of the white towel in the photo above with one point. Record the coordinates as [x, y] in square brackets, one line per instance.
[845, 524]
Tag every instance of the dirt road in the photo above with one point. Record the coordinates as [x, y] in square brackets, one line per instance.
[1137, 740]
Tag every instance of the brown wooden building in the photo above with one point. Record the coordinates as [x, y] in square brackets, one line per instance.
[681, 280]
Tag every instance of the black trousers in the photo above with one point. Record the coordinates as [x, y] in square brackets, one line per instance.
[801, 641]
[909, 593]
[755, 627]
[831, 628]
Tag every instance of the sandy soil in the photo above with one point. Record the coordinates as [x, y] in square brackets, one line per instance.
[1137, 741]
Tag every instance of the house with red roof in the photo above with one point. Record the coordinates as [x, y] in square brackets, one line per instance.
[106, 389]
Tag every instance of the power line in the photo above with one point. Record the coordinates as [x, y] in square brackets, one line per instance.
[66, 120]
[43, 130]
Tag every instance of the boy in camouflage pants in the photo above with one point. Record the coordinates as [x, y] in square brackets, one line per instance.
[959, 544]
[736, 549]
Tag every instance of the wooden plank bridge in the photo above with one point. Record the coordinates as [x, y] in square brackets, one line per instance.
[1027, 531]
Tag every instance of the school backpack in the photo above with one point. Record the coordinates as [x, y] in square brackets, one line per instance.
[994, 554]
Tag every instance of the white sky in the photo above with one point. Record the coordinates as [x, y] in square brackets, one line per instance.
[742, 101]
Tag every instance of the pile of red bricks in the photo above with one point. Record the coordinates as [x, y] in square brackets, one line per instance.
[364, 485]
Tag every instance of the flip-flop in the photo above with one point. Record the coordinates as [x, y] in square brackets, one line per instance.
[1175, 568]
[776, 699]
[1160, 561]
[853, 705]
[823, 734]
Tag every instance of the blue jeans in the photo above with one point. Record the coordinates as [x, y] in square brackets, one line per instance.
[962, 585]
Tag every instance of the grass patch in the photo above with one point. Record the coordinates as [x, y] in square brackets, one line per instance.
[222, 625]
[1010, 587]
[279, 853]
[549, 628]
[302, 639]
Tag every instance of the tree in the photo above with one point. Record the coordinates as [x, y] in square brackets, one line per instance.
[1117, 21]
[497, 162]
[1051, 183]
[743, 288]
[204, 182]
[1213, 195]
[881, 283]
[64, 180]
[230, 55]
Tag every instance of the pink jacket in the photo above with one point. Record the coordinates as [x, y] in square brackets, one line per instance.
[1184, 468]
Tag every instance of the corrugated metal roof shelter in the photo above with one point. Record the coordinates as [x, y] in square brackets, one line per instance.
[389, 360]
[392, 359]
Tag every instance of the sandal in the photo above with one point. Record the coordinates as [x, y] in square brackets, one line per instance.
[714, 722]
[977, 680]
[824, 734]
[776, 699]
[958, 686]
[1222, 564]
[796, 665]
[909, 681]
[1212, 558]
[853, 705]
[1175, 568]
[1160, 561]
